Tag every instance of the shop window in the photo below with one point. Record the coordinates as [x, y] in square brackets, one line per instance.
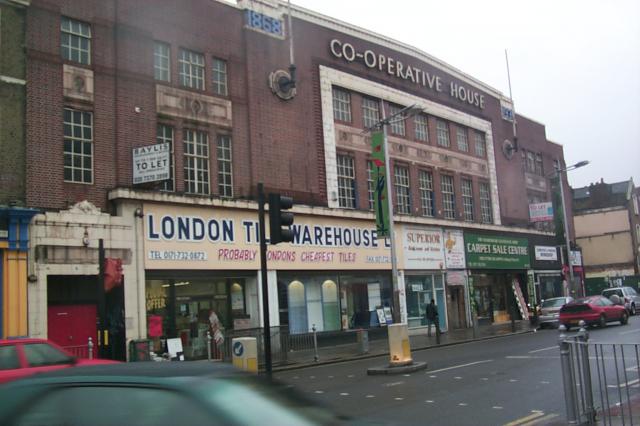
[297, 308]
[237, 299]
[330, 307]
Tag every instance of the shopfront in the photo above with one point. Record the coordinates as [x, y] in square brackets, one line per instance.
[547, 268]
[498, 267]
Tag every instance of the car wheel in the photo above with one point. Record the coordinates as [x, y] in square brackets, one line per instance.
[624, 319]
[602, 322]
[633, 309]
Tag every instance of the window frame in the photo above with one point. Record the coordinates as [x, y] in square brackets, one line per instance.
[77, 36]
[402, 189]
[448, 191]
[370, 112]
[462, 139]
[486, 207]
[168, 185]
[397, 126]
[468, 208]
[190, 70]
[194, 186]
[480, 144]
[370, 185]
[421, 128]
[75, 142]
[427, 193]
[339, 113]
[443, 135]
[220, 76]
[346, 174]
[225, 165]
[158, 56]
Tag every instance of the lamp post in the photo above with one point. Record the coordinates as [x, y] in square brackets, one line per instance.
[382, 124]
[564, 214]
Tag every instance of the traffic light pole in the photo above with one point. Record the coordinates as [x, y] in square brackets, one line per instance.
[265, 284]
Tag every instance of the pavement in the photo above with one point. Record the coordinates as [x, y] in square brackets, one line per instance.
[378, 345]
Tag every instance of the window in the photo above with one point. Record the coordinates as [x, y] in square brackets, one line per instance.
[448, 197]
[401, 178]
[531, 162]
[539, 169]
[370, 185]
[161, 62]
[9, 358]
[341, 105]
[426, 193]
[40, 354]
[481, 145]
[422, 128]
[164, 134]
[78, 146]
[556, 164]
[463, 140]
[75, 41]
[467, 199]
[397, 124]
[219, 77]
[191, 66]
[442, 130]
[346, 182]
[225, 176]
[485, 203]
[370, 112]
[196, 162]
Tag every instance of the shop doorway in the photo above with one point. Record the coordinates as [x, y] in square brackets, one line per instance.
[456, 307]
[72, 325]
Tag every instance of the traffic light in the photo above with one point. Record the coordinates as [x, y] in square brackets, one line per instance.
[279, 220]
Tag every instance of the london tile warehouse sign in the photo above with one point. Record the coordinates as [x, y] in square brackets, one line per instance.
[394, 67]
[496, 252]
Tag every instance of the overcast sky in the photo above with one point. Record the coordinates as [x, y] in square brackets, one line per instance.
[575, 64]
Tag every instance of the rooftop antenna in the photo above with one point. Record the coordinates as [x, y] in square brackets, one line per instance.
[513, 108]
[283, 83]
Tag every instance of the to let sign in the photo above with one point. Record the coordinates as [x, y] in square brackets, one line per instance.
[541, 212]
[151, 163]
[496, 252]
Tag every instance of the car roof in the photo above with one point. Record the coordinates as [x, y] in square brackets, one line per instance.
[22, 340]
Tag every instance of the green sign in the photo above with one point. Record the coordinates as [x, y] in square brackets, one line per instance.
[496, 252]
[380, 192]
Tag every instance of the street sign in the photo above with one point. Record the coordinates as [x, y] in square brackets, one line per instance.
[238, 349]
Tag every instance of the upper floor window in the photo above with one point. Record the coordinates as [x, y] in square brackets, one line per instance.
[370, 112]
[161, 61]
[196, 162]
[485, 203]
[461, 137]
[346, 182]
[531, 162]
[539, 168]
[164, 134]
[448, 197]
[401, 180]
[341, 105]
[467, 199]
[442, 131]
[225, 176]
[191, 67]
[426, 193]
[481, 144]
[75, 41]
[422, 128]
[556, 164]
[397, 125]
[370, 185]
[78, 146]
[220, 77]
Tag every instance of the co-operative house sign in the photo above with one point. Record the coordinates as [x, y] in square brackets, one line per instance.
[396, 68]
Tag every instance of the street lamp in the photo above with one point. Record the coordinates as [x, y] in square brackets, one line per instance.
[382, 124]
[564, 213]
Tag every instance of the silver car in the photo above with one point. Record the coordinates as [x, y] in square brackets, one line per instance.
[550, 310]
[627, 295]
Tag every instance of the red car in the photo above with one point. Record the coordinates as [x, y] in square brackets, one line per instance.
[592, 310]
[24, 357]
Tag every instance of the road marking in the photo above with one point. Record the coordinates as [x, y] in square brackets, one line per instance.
[463, 404]
[462, 365]
[545, 382]
[543, 349]
[429, 401]
[497, 407]
[541, 420]
[458, 378]
[531, 357]
[331, 377]
[407, 375]
[370, 396]
[432, 377]
[630, 331]
[393, 384]
[523, 420]
[485, 378]
[312, 377]
[344, 393]
[351, 376]
[319, 392]
[513, 380]
[398, 398]
[624, 385]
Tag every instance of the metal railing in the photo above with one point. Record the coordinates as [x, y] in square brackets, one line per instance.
[81, 351]
[601, 380]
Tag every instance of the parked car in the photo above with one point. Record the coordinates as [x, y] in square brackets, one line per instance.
[628, 296]
[24, 357]
[156, 394]
[549, 313]
[593, 310]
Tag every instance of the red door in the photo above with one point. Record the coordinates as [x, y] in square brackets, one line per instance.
[72, 325]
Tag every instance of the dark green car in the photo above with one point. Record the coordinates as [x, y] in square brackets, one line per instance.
[155, 394]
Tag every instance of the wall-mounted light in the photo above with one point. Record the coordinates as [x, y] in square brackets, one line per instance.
[138, 213]
[85, 238]
[32, 278]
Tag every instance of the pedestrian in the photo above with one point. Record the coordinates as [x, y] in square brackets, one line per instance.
[215, 328]
[432, 316]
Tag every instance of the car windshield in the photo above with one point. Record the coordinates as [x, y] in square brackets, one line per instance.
[609, 293]
[553, 303]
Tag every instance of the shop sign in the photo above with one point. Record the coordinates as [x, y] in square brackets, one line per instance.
[496, 252]
[423, 248]
[455, 278]
[151, 163]
[454, 249]
[216, 238]
[548, 253]
[541, 212]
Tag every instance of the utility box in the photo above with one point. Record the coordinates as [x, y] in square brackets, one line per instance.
[399, 346]
[363, 341]
[245, 353]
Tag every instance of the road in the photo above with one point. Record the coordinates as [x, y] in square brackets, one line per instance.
[514, 380]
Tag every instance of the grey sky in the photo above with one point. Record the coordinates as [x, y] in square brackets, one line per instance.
[575, 64]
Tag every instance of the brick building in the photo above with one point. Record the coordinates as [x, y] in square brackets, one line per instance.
[200, 79]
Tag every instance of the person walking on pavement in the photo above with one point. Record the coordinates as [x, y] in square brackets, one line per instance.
[432, 316]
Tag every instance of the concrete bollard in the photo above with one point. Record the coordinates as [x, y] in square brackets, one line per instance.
[209, 339]
[90, 346]
[316, 358]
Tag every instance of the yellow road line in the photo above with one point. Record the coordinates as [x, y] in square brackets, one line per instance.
[526, 419]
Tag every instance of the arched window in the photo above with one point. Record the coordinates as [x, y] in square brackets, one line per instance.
[330, 311]
[297, 308]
